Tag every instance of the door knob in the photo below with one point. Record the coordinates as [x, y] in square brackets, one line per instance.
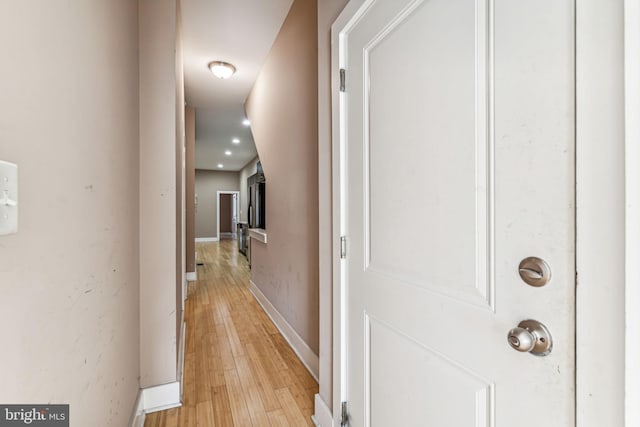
[532, 337]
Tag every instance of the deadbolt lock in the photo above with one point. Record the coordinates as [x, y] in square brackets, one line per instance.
[534, 271]
[531, 336]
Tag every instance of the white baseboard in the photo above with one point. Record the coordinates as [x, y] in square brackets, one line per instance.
[322, 414]
[161, 397]
[304, 352]
[192, 276]
[153, 399]
[137, 418]
[206, 239]
[183, 340]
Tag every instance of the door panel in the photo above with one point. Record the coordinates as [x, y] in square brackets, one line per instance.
[434, 378]
[450, 176]
[458, 123]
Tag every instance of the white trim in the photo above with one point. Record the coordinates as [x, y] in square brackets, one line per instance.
[339, 193]
[322, 413]
[600, 211]
[237, 193]
[192, 276]
[138, 416]
[632, 185]
[161, 397]
[153, 399]
[206, 239]
[181, 347]
[308, 358]
[258, 234]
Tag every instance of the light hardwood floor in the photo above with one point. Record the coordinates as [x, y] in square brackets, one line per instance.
[239, 371]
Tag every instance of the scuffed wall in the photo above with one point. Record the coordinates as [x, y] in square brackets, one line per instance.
[283, 109]
[69, 305]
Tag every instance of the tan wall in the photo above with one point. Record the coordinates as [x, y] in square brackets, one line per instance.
[190, 174]
[328, 11]
[158, 193]
[245, 173]
[180, 145]
[208, 183]
[69, 305]
[283, 109]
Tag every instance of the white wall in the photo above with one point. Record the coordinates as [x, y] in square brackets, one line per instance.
[158, 192]
[69, 278]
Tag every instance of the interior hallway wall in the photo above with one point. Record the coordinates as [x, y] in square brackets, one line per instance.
[283, 109]
[159, 239]
[69, 311]
[208, 183]
[190, 176]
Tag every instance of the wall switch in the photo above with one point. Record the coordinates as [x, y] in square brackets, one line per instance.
[8, 198]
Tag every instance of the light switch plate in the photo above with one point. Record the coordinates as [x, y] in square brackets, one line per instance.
[8, 198]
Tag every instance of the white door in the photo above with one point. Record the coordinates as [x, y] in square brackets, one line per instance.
[458, 124]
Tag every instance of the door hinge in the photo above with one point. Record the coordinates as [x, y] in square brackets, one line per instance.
[343, 247]
[344, 415]
[343, 78]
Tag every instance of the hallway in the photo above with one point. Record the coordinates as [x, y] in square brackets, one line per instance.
[239, 370]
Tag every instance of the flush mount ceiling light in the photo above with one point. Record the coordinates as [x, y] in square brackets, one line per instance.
[246, 122]
[222, 70]
[235, 141]
[220, 165]
[228, 152]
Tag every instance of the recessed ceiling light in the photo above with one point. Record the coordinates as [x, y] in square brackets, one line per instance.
[220, 165]
[246, 122]
[235, 141]
[228, 152]
[222, 70]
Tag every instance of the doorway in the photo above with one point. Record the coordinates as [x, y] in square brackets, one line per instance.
[227, 215]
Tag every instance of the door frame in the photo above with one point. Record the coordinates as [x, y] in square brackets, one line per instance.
[632, 186]
[237, 193]
[603, 201]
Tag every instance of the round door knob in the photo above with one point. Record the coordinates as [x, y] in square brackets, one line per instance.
[530, 336]
[521, 340]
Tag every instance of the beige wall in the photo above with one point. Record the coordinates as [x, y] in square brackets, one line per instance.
[69, 306]
[158, 193]
[246, 172]
[190, 178]
[283, 109]
[180, 145]
[208, 183]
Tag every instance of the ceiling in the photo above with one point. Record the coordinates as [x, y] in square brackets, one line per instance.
[240, 32]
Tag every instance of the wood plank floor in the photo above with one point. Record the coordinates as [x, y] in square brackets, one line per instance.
[239, 371]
